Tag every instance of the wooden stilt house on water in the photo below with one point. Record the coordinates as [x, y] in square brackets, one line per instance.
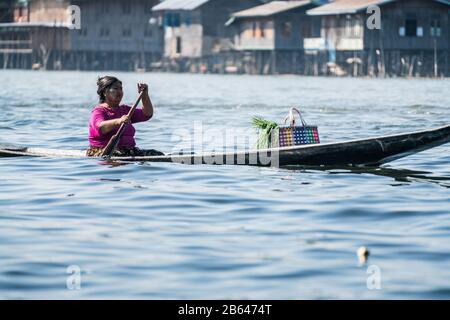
[270, 36]
[195, 36]
[113, 34]
[413, 38]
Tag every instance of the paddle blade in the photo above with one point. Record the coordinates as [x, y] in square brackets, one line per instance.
[111, 147]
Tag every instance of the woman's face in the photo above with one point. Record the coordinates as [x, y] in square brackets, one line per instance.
[114, 94]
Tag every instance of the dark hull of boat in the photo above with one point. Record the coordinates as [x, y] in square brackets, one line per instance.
[373, 151]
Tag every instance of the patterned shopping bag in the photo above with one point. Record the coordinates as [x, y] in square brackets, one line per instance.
[293, 135]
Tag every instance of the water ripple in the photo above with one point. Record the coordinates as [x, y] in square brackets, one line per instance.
[169, 231]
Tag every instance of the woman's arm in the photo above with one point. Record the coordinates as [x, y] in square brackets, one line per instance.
[109, 125]
[147, 106]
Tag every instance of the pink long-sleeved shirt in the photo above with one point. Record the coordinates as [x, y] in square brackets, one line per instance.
[101, 113]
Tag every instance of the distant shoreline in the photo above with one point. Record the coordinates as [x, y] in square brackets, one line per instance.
[232, 74]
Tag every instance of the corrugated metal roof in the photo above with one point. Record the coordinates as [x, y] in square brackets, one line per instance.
[351, 6]
[35, 24]
[270, 8]
[345, 6]
[179, 5]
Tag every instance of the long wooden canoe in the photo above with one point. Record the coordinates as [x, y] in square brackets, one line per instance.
[372, 151]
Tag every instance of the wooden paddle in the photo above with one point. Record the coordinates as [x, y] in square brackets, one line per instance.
[114, 141]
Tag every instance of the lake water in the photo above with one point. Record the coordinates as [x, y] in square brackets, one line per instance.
[172, 231]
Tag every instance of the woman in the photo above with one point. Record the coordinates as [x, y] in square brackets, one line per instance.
[108, 116]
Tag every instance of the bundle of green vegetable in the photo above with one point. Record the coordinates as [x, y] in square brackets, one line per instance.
[265, 128]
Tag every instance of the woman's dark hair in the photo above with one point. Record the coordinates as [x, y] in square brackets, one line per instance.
[103, 84]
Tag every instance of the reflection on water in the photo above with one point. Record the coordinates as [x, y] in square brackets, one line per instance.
[164, 230]
[400, 175]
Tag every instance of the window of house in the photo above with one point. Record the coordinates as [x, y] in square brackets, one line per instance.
[348, 27]
[82, 32]
[316, 25]
[310, 28]
[167, 19]
[126, 8]
[104, 32]
[306, 29]
[357, 28]
[435, 30]
[411, 26]
[178, 48]
[262, 26]
[171, 19]
[126, 32]
[286, 29]
[176, 20]
[148, 31]
[187, 19]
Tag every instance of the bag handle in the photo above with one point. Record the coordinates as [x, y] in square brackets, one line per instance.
[291, 117]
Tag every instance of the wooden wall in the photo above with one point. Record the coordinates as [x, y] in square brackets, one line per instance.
[206, 33]
[111, 26]
[283, 31]
[393, 18]
[336, 31]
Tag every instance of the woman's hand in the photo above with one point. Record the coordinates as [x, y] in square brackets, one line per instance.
[123, 119]
[143, 87]
[147, 106]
